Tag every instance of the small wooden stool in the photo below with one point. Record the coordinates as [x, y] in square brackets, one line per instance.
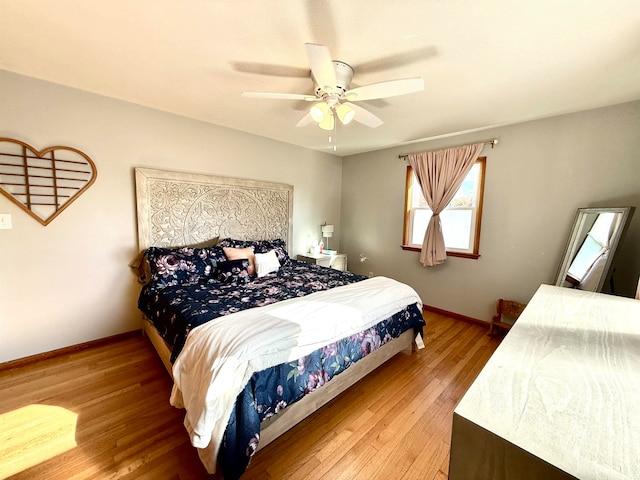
[507, 312]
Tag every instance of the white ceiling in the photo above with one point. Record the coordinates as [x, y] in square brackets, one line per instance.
[484, 63]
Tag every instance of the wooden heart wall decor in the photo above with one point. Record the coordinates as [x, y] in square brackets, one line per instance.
[43, 183]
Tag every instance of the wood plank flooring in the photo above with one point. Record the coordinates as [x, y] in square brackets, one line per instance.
[103, 413]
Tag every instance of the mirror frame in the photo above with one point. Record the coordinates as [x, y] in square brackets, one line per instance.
[575, 241]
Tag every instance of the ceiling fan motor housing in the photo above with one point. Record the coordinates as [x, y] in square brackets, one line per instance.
[344, 75]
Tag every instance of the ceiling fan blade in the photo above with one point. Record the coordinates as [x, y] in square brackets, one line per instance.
[364, 116]
[321, 65]
[271, 70]
[304, 121]
[321, 20]
[397, 60]
[392, 88]
[280, 96]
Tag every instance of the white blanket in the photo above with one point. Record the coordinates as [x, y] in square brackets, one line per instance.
[220, 356]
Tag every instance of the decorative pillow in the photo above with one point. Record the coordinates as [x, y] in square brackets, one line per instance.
[216, 255]
[140, 267]
[266, 263]
[234, 242]
[173, 266]
[233, 271]
[240, 253]
[260, 246]
[278, 246]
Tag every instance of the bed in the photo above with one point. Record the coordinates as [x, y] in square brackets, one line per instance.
[308, 332]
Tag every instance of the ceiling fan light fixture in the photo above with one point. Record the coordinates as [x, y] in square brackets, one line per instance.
[345, 113]
[333, 96]
[319, 111]
[328, 123]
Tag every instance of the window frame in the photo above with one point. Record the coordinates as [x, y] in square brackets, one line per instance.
[408, 195]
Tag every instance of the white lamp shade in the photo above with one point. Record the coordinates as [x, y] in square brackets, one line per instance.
[345, 113]
[327, 231]
[328, 122]
[319, 111]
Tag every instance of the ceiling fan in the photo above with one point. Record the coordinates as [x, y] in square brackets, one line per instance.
[333, 96]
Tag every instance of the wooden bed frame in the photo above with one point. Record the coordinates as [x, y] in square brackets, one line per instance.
[278, 424]
[177, 209]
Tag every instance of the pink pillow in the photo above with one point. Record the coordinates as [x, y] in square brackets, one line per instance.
[240, 253]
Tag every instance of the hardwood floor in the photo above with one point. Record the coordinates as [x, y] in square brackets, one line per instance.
[103, 413]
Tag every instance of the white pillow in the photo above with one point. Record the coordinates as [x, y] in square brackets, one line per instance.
[266, 263]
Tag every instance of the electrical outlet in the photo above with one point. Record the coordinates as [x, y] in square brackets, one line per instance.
[370, 274]
[5, 221]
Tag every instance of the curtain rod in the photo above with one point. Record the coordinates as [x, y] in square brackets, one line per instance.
[493, 142]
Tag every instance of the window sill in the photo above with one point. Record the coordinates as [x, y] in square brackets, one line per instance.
[473, 256]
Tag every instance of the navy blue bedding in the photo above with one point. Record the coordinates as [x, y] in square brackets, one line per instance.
[176, 309]
[273, 389]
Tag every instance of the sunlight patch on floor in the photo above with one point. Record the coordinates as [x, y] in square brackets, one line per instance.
[32, 434]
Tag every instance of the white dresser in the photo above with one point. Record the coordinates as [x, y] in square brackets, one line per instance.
[560, 397]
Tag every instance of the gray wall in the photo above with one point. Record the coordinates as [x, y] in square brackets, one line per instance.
[69, 282]
[536, 178]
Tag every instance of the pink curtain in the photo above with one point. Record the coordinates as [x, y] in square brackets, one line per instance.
[440, 174]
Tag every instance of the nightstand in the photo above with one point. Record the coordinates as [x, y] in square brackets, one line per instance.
[337, 261]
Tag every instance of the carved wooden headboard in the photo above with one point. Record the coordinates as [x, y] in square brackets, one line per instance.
[176, 208]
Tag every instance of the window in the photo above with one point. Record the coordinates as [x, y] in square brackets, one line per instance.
[460, 219]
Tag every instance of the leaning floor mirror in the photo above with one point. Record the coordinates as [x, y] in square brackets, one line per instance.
[594, 238]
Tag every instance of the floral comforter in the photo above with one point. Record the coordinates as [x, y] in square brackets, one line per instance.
[176, 310]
